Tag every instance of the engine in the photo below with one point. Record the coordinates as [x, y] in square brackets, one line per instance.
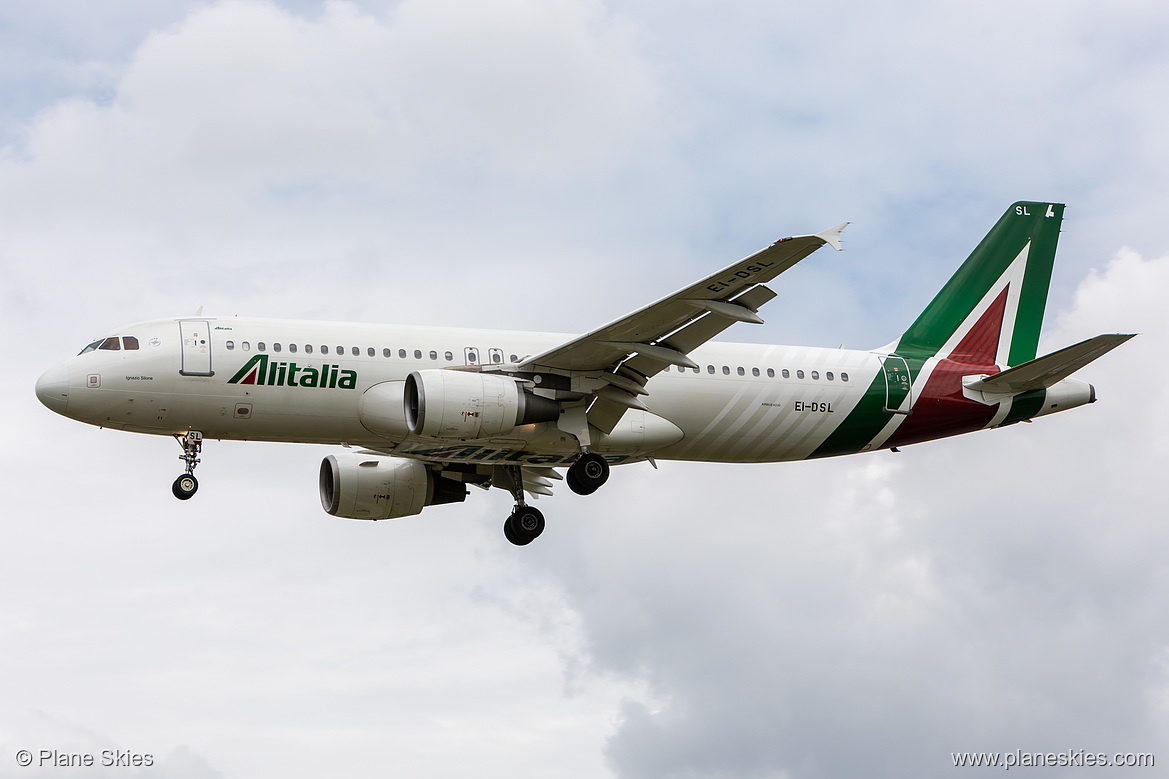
[372, 486]
[466, 404]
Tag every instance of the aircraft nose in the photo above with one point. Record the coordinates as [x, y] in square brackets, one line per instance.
[53, 389]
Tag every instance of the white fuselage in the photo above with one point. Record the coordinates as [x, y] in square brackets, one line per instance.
[746, 403]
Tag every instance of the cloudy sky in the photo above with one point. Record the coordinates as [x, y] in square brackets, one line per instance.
[551, 165]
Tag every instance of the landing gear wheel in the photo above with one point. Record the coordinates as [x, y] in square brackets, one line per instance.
[523, 526]
[185, 486]
[574, 485]
[588, 473]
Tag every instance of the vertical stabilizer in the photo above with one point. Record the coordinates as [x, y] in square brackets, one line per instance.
[991, 310]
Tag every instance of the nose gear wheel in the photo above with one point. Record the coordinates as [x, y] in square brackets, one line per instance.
[186, 485]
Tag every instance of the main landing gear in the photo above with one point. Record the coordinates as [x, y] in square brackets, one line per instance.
[186, 485]
[525, 523]
[587, 474]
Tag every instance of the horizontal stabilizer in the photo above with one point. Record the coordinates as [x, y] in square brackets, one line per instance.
[1046, 371]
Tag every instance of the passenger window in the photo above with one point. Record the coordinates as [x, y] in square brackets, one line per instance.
[829, 376]
[130, 343]
[816, 375]
[771, 373]
[741, 371]
[786, 373]
[433, 355]
[230, 346]
[275, 347]
[799, 374]
[754, 371]
[247, 346]
[324, 349]
[260, 346]
[356, 351]
[386, 352]
[340, 351]
[726, 370]
[417, 354]
[513, 358]
[111, 345]
[402, 354]
[370, 352]
[448, 356]
[308, 348]
[697, 369]
[843, 376]
[710, 369]
[292, 348]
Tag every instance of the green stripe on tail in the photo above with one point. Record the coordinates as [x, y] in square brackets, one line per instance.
[1025, 225]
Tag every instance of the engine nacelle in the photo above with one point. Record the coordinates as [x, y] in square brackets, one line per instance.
[467, 404]
[372, 486]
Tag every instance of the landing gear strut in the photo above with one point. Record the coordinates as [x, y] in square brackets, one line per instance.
[525, 523]
[587, 474]
[186, 485]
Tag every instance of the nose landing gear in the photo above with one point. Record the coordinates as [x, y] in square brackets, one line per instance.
[186, 485]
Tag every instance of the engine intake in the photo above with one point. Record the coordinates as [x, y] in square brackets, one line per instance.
[465, 404]
[372, 486]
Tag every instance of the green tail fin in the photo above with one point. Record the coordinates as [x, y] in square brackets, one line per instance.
[1004, 281]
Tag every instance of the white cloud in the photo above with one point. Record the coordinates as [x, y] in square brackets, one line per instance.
[990, 590]
[247, 143]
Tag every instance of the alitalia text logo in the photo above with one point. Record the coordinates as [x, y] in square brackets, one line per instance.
[261, 370]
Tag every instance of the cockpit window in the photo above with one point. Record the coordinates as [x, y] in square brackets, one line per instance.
[111, 344]
[91, 347]
[129, 342]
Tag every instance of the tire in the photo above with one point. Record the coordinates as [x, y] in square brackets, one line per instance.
[588, 473]
[574, 484]
[523, 526]
[185, 486]
[509, 535]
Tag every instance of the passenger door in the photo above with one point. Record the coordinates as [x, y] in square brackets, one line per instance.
[195, 335]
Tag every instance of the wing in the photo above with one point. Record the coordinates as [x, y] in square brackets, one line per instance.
[623, 355]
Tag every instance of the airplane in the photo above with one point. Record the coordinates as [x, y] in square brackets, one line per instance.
[426, 412]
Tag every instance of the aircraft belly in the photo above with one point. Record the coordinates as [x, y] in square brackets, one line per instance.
[636, 435]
